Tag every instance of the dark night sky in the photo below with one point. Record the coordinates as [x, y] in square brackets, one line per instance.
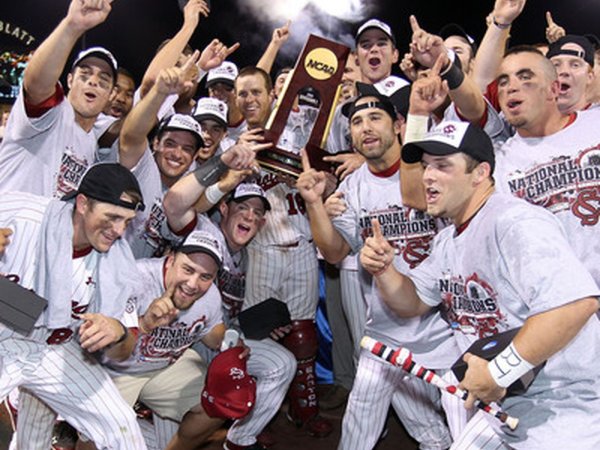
[136, 27]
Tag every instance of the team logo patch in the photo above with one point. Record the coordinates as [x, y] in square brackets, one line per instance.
[563, 184]
[408, 230]
[470, 305]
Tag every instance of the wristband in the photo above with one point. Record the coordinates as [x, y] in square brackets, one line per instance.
[502, 26]
[210, 172]
[508, 366]
[213, 194]
[453, 75]
[416, 128]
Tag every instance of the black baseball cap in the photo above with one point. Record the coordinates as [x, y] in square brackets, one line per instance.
[199, 241]
[107, 182]
[399, 97]
[454, 29]
[382, 102]
[594, 40]
[586, 53]
[451, 137]
[98, 52]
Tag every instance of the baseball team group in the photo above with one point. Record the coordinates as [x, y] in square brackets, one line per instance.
[462, 204]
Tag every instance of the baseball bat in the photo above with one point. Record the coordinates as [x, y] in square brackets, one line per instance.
[403, 358]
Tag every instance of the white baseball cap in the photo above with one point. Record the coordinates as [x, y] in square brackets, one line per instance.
[378, 24]
[244, 191]
[211, 108]
[98, 52]
[202, 242]
[182, 122]
[225, 73]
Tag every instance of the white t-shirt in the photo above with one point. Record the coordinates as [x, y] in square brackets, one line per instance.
[165, 344]
[46, 155]
[561, 173]
[511, 263]
[410, 232]
[145, 233]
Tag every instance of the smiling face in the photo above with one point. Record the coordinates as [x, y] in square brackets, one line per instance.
[90, 85]
[191, 276]
[376, 55]
[101, 223]
[373, 133]
[253, 99]
[241, 221]
[174, 152]
[212, 134]
[527, 91]
[575, 76]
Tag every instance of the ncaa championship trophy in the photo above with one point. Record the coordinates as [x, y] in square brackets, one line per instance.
[316, 78]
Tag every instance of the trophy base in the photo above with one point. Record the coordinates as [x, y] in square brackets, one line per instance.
[281, 161]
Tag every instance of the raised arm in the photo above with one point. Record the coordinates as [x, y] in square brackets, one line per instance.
[279, 37]
[429, 51]
[49, 60]
[142, 118]
[169, 54]
[180, 202]
[492, 47]
[311, 185]
[426, 96]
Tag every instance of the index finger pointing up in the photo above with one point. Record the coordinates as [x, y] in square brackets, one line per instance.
[414, 25]
[549, 19]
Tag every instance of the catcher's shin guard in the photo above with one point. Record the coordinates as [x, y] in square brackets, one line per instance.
[304, 405]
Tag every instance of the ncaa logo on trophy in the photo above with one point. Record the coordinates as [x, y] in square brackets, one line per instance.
[303, 112]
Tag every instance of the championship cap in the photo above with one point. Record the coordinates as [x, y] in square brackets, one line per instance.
[211, 108]
[585, 51]
[454, 29]
[107, 182]
[98, 52]
[229, 392]
[382, 102]
[199, 241]
[245, 191]
[225, 73]
[395, 88]
[378, 24]
[182, 122]
[452, 137]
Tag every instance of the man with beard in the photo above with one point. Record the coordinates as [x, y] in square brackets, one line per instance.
[372, 192]
[242, 214]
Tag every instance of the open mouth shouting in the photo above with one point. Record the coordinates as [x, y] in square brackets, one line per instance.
[431, 195]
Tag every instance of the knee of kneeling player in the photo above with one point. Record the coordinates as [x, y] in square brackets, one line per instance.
[302, 340]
